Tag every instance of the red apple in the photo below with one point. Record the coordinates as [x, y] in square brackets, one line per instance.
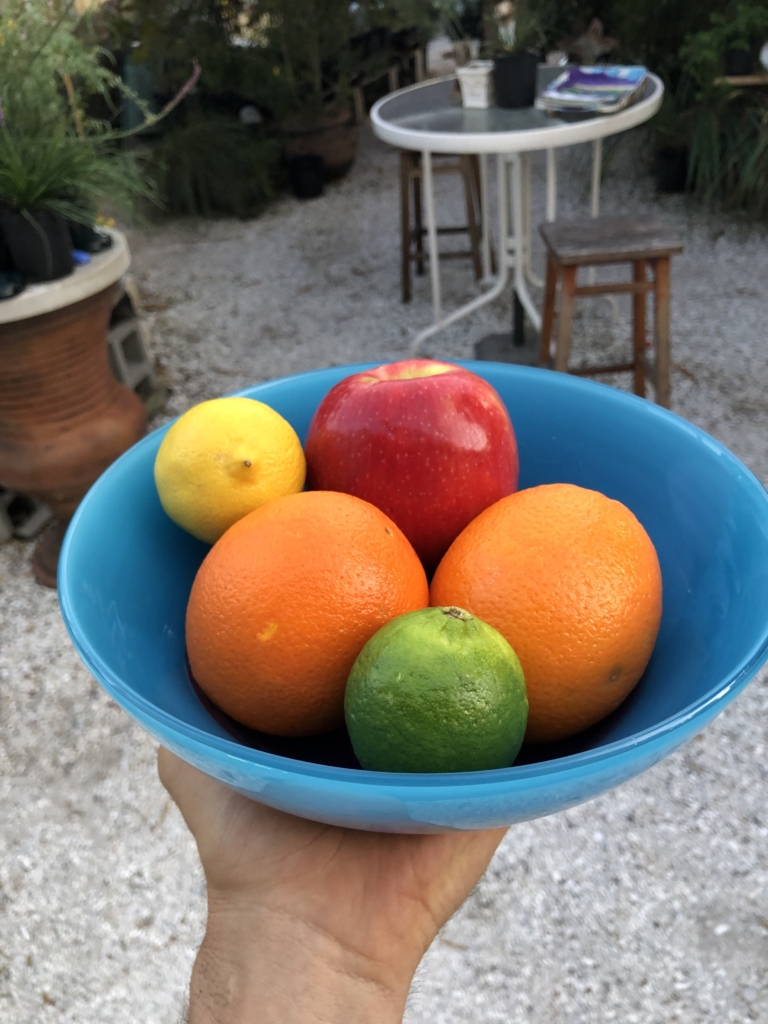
[429, 443]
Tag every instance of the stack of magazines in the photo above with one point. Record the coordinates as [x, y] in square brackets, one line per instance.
[596, 89]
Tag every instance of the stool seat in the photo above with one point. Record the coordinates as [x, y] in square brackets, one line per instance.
[602, 241]
[609, 240]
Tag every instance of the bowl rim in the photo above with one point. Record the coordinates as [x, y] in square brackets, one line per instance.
[230, 749]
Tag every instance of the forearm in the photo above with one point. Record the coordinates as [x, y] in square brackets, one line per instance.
[273, 970]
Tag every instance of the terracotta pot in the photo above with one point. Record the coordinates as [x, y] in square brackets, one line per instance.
[63, 416]
[333, 139]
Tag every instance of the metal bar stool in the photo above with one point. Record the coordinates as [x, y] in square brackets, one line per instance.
[603, 241]
[412, 234]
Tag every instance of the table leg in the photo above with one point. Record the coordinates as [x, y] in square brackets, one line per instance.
[434, 257]
[405, 225]
[502, 278]
[525, 172]
[511, 243]
[486, 215]
[551, 185]
[597, 173]
[519, 244]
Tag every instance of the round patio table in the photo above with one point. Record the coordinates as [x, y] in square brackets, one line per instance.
[429, 118]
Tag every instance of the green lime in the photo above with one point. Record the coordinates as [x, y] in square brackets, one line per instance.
[436, 690]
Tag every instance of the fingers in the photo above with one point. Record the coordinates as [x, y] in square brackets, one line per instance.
[167, 768]
[198, 796]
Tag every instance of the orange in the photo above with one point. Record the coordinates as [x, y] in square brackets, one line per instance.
[286, 600]
[571, 580]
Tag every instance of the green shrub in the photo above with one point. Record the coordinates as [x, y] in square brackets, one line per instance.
[215, 166]
[54, 153]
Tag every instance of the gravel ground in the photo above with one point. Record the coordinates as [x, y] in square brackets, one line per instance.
[648, 905]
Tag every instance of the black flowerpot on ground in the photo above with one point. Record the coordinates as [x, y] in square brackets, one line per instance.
[514, 77]
[333, 138]
[739, 61]
[671, 169]
[405, 40]
[306, 174]
[39, 244]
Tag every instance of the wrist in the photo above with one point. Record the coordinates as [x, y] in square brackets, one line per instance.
[261, 966]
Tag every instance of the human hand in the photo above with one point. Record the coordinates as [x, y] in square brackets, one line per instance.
[312, 923]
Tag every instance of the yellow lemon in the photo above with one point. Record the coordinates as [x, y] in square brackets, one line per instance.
[224, 458]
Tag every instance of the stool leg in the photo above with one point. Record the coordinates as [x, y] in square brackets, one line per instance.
[661, 332]
[469, 202]
[417, 210]
[548, 312]
[405, 225]
[638, 328]
[474, 161]
[567, 300]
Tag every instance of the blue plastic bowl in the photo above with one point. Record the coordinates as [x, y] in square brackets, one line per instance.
[126, 570]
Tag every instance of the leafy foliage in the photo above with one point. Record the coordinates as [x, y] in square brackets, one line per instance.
[702, 53]
[53, 153]
[216, 166]
[522, 25]
[64, 173]
[724, 128]
[51, 63]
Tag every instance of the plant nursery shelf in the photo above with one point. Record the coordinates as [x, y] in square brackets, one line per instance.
[742, 80]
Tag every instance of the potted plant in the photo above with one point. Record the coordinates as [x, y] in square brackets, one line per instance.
[57, 161]
[310, 47]
[519, 39]
[730, 45]
[723, 123]
[217, 155]
[63, 416]
[669, 136]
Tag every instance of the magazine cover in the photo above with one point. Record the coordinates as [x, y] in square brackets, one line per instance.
[598, 88]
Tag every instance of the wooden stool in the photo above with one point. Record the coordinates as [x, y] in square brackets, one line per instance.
[601, 241]
[412, 236]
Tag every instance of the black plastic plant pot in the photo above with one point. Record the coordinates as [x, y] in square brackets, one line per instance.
[514, 77]
[11, 284]
[671, 169]
[88, 239]
[39, 244]
[739, 61]
[306, 174]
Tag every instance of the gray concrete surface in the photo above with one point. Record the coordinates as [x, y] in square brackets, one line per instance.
[648, 905]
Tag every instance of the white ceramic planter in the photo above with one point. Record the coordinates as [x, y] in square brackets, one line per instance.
[476, 81]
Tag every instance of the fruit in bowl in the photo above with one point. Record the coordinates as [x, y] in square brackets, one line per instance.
[289, 595]
[437, 690]
[572, 581]
[224, 458]
[704, 511]
[285, 601]
[429, 443]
